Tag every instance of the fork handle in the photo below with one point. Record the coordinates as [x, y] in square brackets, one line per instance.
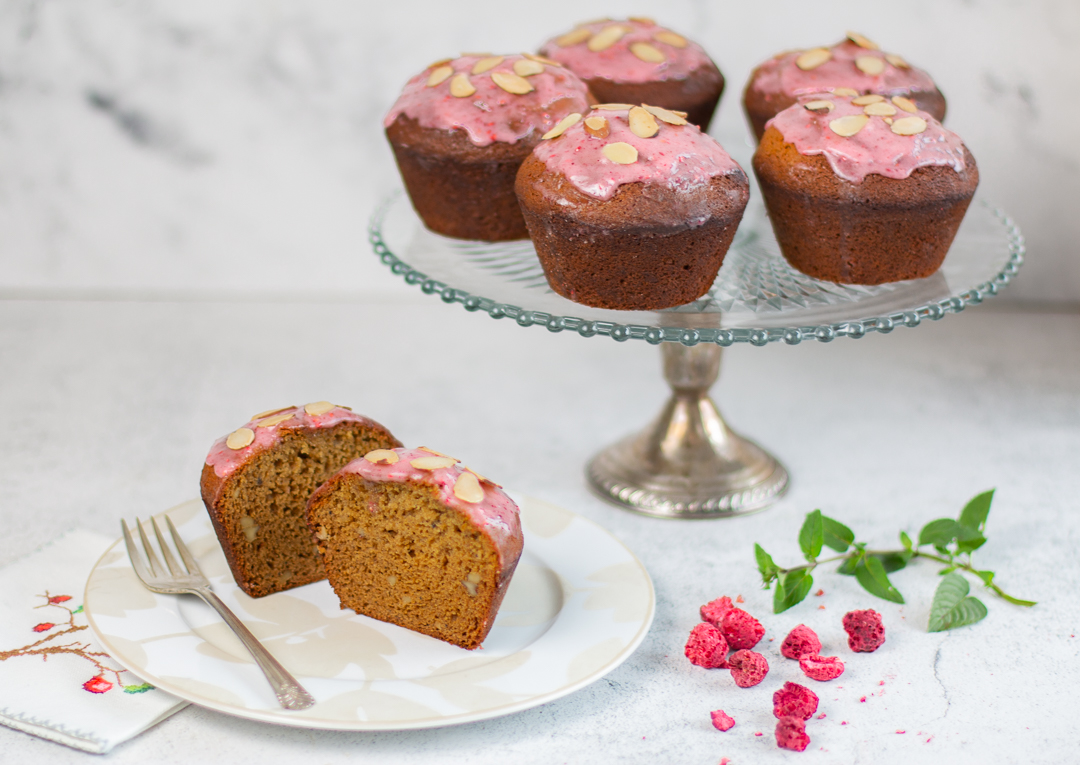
[290, 694]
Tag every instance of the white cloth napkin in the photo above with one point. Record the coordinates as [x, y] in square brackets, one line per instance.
[55, 681]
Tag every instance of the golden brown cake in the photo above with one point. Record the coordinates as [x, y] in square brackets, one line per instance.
[256, 483]
[411, 537]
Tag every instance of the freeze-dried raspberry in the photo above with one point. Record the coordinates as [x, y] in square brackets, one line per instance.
[747, 668]
[741, 629]
[791, 734]
[707, 647]
[821, 667]
[721, 720]
[713, 612]
[801, 640]
[865, 631]
[794, 700]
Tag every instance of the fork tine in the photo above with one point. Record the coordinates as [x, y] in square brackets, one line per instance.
[133, 553]
[189, 559]
[166, 551]
[155, 565]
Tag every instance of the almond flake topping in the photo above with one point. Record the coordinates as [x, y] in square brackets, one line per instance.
[240, 438]
[579, 35]
[468, 489]
[813, 58]
[460, 87]
[862, 42]
[524, 67]
[433, 463]
[871, 65]
[845, 92]
[318, 407]
[620, 153]
[512, 83]
[850, 125]
[612, 107]
[905, 103]
[564, 124]
[606, 37]
[269, 412]
[439, 63]
[671, 38]
[666, 115]
[879, 109]
[381, 457]
[648, 53]
[597, 127]
[439, 75]
[887, 120]
[643, 20]
[909, 126]
[487, 64]
[541, 59]
[483, 479]
[898, 61]
[642, 124]
[429, 450]
[270, 422]
[822, 104]
[868, 99]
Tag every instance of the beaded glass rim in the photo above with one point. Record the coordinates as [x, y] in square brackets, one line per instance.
[688, 335]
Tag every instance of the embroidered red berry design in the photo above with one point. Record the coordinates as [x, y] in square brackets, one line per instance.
[43, 627]
[97, 684]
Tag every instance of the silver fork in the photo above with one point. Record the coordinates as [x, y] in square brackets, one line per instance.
[290, 694]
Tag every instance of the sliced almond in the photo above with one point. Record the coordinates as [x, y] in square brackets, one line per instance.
[439, 63]
[564, 124]
[850, 125]
[542, 59]
[270, 422]
[642, 124]
[905, 103]
[816, 106]
[512, 83]
[887, 120]
[318, 407]
[269, 412]
[684, 115]
[429, 450]
[481, 478]
[898, 61]
[868, 99]
[909, 126]
[432, 463]
[620, 153]
[879, 109]
[862, 42]
[813, 58]
[240, 438]
[487, 64]
[381, 457]
[468, 489]
[525, 67]
[579, 35]
[606, 37]
[460, 86]
[643, 20]
[648, 53]
[871, 65]
[668, 37]
[597, 127]
[666, 115]
[612, 107]
[440, 74]
[845, 92]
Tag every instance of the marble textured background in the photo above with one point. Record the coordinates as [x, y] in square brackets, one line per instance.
[202, 149]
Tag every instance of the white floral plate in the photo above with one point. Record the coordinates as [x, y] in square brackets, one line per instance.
[579, 605]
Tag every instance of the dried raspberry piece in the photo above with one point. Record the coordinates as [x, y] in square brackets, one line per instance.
[707, 647]
[713, 612]
[821, 668]
[865, 631]
[721, 720]
[794, 700]
[741, 629]
[791, 734]
[748, 668]
[801, 640]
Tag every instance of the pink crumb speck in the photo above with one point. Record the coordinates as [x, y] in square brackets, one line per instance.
[721, 720]
[843, 722]
[821, 608]
[901, 731]
[739, 599]
[821, 716]
[759, 733]
[819, 593]
[724, 761]
[882, 683]
[863, 699]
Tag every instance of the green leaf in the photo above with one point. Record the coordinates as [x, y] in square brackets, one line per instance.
[948, 570]
[970, 544]
[837, 536]
[871, 575]
[142, 688]
[765, 565]
[905, 540]
[939, 533]
[952, 607]
[847, 568]
[812, 536]
[986, 576]
[973, 516]
[893, 561]
[791, 588]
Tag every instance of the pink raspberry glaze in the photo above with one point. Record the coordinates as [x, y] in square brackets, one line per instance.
[875, 148]
[225, 461]
[619, 64]
[491, 114]
[780, 76]
[495, 515]
[680, 157]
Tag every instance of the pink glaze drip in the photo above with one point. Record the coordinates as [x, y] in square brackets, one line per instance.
[225, 461]
[495, 515]
[780, 76]
[491, 114]
[679, 157]
[619, 64]
[875, 148]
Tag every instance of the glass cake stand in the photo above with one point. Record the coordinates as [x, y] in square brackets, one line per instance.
[688, 463]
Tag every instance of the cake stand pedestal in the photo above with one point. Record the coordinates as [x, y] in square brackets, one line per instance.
[689, 463]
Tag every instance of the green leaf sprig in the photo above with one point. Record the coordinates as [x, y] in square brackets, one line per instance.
[949, 542]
